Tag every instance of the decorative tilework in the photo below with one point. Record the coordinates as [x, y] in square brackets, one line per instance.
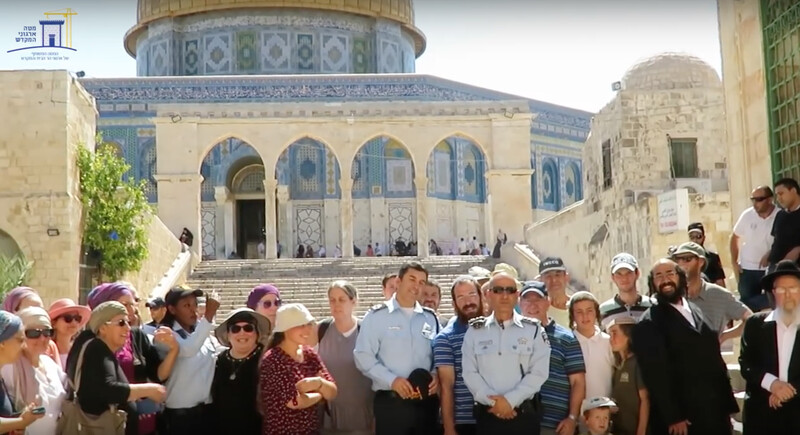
[246, 51]
[275, 51]
[331, 175]
[550, 184]
[572, 183]
[148, 159]
[357, 174]
[308, 225]
[389, 57]
[217, 54]
[191, 57]
[401, 222]
[159, 58]
[208, 217]
[305, 52]
[334, 54]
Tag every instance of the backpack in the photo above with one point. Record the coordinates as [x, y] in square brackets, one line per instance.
[325, 324]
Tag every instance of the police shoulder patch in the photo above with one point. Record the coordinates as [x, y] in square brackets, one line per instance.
[478, 322]
[430, 311]
[531, 321]
[378, 307]
[544, 337]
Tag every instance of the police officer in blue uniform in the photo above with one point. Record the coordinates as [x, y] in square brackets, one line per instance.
[396, 339]
[506, 359]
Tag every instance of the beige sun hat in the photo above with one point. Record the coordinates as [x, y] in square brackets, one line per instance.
[263, 325]
[292, 315]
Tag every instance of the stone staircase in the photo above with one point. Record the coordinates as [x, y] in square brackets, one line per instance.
[306, 280]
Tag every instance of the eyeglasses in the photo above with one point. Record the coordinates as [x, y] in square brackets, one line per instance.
[685, 258]
[69, 318]
[235, 329]
[268, 304]
[36, 333]
[507, 290]
[668, 274]
[784, 290]
[121, 323]
[758, 198]
[469, 295]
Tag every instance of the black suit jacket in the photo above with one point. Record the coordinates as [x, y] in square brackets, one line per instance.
[759, 356]
[683, 371]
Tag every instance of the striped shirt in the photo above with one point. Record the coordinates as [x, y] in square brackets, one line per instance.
[718, 306]
[447, 352]
[615, 307]
[566, 358]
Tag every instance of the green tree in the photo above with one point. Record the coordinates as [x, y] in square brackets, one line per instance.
[14, 272]
[116, 213]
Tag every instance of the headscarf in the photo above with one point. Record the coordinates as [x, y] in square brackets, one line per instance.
[15, 297]
[10, 324]
[109, 291]
[104, 313]
[259, 292]
[26, 386]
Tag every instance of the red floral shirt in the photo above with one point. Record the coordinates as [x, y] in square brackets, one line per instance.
[278, 375]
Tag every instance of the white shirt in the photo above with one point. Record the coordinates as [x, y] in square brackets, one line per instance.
[599, 361]
[755, 238]
[683, 308]
[322, 251]
[462, 246]
[51, 379]
[785, 338]
[189, 384]
[378, 249]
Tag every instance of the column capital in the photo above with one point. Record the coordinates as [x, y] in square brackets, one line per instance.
[270, 184]
[179, 178]
[282, 193]
[221, 194]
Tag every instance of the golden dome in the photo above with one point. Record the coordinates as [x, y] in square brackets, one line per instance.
[401, 11]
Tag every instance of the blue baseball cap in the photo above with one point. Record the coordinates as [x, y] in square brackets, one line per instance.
[534, 286]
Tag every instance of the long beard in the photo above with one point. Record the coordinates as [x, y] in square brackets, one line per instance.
[674, 297]
[464, 318]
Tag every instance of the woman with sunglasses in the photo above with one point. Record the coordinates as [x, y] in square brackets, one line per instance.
[35, 377]
[68, 318]
[138, 357]
[12, 338]
[102, 382]
[265, 299]
[293, 379]
[235, 384]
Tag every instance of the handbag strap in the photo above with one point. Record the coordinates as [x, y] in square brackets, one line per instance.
[77, 383]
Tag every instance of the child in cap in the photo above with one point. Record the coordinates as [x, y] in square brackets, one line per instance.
[597, 415]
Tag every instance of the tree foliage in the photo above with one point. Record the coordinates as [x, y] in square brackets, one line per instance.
[14, 272]
[116, 213]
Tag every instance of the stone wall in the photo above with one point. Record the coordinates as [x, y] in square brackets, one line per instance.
[587, 240]
[40, 209]
[163, 248]
[741, 42]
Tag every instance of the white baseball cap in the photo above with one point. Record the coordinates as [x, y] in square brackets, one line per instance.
[624, 260]
[599, 402]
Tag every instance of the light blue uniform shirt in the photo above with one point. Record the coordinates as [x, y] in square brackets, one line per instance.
[189, 384]
[510, 360]
[392, 344]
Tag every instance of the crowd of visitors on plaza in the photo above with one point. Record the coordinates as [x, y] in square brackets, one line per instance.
[518, 357]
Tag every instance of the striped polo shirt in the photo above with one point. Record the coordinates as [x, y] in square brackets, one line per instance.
[614, 308]
[566, 358]
[718, 306]
[447, 352]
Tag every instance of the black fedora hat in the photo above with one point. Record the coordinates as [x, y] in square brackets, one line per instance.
[783, 268]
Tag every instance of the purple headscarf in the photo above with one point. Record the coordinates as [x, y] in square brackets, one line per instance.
[109, 291]
[15, 297]
[259, 292]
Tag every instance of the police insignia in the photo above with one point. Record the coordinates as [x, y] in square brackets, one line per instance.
[544, 337]
[478, 322]
[377, 307]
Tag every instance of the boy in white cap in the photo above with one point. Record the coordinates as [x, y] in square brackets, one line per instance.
[597, 415]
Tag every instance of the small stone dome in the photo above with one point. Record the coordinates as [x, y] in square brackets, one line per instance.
[670, 71]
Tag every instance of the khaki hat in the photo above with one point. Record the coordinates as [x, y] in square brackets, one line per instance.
[507, 269]
[479, 273]
[104, 313]
[292, 315]
[690, 248]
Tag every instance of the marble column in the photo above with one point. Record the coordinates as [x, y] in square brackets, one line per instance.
[284, 223]
[421, 183]
[224, 244]
[346, 216]
[270, 229]
[179, 205]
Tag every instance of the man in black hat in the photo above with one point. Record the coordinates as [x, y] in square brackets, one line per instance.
[769, 343]
[713, 270]
[679, 356]
[553, 273]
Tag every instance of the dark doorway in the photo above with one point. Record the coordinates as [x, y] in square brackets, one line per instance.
[250, 220]
[52, 40]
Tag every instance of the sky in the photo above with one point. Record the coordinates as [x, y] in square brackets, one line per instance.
[566, 52]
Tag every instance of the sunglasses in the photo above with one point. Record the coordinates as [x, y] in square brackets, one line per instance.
[36, 333]
[120, 323]
[758, 198]
[69, 318]
[235, 329]
[507, 290]
[268, 304]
